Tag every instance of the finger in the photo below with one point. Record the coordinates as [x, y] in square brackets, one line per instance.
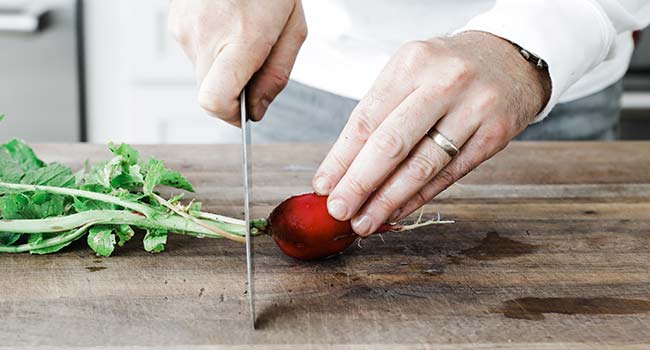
[386, 148]
[382, 98]
[229, 72]
[269, 81]
[424, 162]
[484, 144]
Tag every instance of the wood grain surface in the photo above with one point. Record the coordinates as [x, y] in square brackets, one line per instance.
[550, 250]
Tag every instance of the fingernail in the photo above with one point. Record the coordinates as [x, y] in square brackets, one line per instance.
[322, 185]
[394, 215]
[361, 225]
[337, 209]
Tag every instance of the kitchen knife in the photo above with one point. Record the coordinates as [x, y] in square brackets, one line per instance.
[247, 182]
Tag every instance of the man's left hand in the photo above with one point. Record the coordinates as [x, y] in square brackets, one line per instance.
[474, 88]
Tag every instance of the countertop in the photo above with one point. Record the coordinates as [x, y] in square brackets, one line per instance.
[550, 249]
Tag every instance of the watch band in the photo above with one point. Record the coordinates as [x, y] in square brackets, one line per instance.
[531, 57]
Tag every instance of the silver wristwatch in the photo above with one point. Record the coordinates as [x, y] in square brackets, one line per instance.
[531, 57]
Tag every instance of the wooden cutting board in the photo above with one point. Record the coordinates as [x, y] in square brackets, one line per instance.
[551, 249]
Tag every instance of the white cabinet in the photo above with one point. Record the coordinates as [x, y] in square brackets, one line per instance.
[141, 87]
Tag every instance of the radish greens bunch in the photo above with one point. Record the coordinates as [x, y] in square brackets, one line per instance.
[44, 207]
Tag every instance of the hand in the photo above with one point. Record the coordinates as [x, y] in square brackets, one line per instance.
[475, 88]
[232, 42]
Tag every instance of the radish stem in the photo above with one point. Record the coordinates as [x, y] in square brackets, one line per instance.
[58, 240]
[141, 208]
[119, 217]
[216, 230]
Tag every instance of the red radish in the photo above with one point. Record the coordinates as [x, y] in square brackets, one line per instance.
[302, 227]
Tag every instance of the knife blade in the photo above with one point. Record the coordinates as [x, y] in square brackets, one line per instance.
[247, 182]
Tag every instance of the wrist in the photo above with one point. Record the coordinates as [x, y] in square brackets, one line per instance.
[533, 84]
[542, 75]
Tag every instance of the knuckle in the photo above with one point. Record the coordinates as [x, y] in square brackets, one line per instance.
[487, 100]
[279, 78]
[438, 43]
[302, 32]
[460, 69]
[339, 162]
[457, 74]
[496, 135]
[211, 104]
[421, 197]
[446, 177]
[385, 203]
[502, 131]
[362, 125]
[420, 168]
[413, 56]
[389, 142]
[418, 50]
[358, 187]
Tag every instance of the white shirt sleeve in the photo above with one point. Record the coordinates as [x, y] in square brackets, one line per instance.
[572, 36]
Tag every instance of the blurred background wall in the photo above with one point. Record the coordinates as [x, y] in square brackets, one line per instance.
[102, 70]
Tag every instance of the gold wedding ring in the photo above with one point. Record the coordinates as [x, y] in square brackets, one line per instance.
[443, 142]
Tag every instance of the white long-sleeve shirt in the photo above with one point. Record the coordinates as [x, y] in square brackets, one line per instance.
[587, 43]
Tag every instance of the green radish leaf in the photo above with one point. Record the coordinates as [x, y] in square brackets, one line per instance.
[39, 237]
[85, 204]
[175, 199]
[195, 208]
[10, 170]
[48, 250]
[153, 175]
[175, 179]
[53, 174]
[124, 233]
[15, 159]
[131, 178]
[44, 205]
[2, 117]
[23, 154]
[136, 173]
[12, 206]
[8, 238]
[101, 240]
[129, 154]
[35, 238]
[101, 174]
[126, 195]
[38, 205]
[155, 240]
[156, 174]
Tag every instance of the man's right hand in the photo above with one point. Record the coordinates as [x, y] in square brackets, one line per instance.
[235, 43]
